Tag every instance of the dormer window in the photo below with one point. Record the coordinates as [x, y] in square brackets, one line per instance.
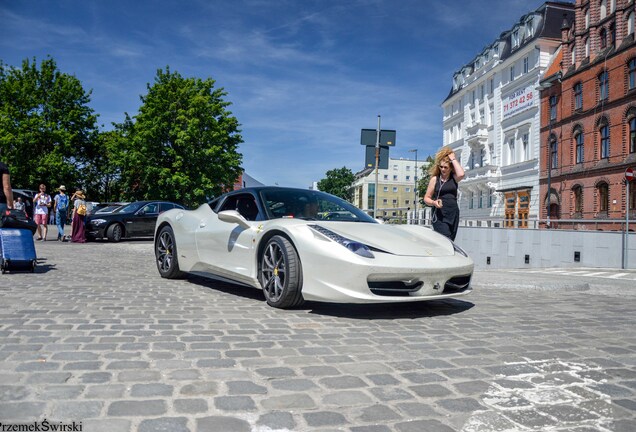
[530, 27]
[515, 38]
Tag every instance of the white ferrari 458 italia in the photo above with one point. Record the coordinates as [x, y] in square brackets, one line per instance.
[298, 244]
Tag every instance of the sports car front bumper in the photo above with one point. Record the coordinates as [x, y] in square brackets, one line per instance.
[344, 277]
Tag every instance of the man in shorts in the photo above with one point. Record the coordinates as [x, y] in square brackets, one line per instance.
[42, 203]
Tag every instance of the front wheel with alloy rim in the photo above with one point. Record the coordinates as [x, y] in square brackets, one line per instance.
[280, 273]
[166, 254]
[114, 232]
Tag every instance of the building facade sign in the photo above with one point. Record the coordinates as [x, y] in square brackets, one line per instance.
[518, 101]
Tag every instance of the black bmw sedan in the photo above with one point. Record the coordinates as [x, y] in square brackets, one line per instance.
[136, 219]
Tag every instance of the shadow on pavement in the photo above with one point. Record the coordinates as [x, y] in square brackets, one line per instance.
[420, 309]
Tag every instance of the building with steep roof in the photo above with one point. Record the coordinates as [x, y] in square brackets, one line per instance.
[588, 125]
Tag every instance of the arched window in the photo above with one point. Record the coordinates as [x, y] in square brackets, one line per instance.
[578, 200]
[587, 47]
[603, 9]
[603, 86]
[612, 6]
[632, 134]
[630, 23]
[632, 73]
[554, 156]
[578, 96]
[605, 140]
[573, 54]
[603, 196]
[587, 19]
[553, 107]
[603, 38]
[579, 139]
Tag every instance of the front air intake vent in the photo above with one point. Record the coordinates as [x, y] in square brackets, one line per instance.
[457, 284]
[393, 288]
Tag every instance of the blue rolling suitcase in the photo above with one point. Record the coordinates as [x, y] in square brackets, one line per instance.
[17, 250]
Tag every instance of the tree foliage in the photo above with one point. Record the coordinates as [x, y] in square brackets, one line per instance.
[182, 145]
[424, 179]
[338, 182]
[47, 129]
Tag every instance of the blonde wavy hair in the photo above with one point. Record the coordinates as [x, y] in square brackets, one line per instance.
[441, 156]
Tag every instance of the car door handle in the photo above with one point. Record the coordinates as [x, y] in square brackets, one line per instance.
[202, 225]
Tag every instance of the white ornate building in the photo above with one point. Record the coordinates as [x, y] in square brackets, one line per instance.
[492, 119]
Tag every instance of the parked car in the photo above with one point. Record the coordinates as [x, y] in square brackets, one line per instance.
[27, 196]
[286, 242]
[136, 219]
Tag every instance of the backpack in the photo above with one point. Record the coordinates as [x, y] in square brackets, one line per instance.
[62, 202]
[81, 209]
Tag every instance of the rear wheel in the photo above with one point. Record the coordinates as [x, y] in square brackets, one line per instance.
[166, 254]
[114, 232]
[280, 274]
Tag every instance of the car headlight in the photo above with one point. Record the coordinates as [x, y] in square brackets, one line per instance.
[459, 250]
[354, 246]
[98, 222]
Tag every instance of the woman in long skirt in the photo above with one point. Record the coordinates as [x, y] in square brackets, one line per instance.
[79, 218]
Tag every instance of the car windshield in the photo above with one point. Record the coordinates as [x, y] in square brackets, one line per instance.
[109, 209]
[131, 208]
[310, 205]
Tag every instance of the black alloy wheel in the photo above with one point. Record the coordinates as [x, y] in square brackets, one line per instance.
[115, 232]
[166, 254]
[280, 273]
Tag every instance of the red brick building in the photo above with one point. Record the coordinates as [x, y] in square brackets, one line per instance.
[588, 118]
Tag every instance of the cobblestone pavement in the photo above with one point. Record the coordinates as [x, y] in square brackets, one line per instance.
[95, 337]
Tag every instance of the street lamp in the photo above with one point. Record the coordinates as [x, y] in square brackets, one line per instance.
[417, 221]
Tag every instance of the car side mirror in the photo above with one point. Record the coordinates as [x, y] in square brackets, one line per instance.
[232, 216]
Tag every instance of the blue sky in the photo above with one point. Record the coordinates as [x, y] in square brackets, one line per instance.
[304, 76]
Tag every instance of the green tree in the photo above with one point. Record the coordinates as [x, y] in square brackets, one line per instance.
[338, 182]
[47, 129]
[182, 145]
[424, 179]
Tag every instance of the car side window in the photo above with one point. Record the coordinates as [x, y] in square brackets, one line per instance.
[150, 209]
[165, 207]
[244, 204]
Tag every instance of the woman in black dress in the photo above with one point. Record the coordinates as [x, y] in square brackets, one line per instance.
[441, 193]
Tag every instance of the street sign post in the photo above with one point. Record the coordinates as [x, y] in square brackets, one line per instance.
[377, 142]
[629, 176]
